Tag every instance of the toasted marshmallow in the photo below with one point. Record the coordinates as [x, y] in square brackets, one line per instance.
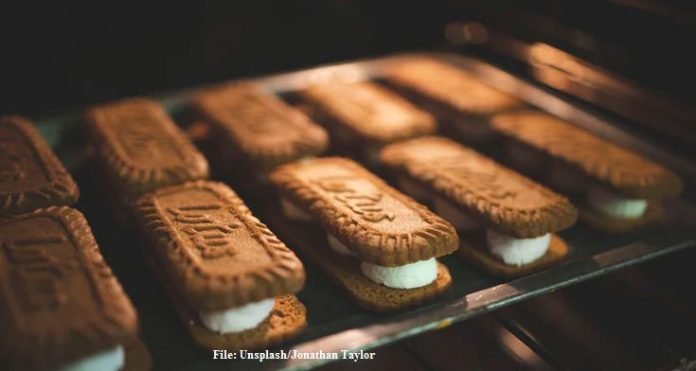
[525, 158]
[412, 188]
[567, 179]
[407, 276]
[457, 218]
[338, 246]
[238, 319]
[109, 360]
[293, 212]
[517, 251]
[611, 204]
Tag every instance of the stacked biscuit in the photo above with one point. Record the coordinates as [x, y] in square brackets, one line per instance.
[60, 299]
[230, 278]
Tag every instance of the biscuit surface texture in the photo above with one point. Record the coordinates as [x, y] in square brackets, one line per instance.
[493, 194]
[378, 223]
[31, 176]
[60, 299]
[215, 252]
[262, 127]
[626, 171]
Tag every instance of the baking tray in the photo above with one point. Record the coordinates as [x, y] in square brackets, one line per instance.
[335, 322]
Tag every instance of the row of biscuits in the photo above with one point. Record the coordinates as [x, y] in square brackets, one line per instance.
[51, 269]
[232, 280]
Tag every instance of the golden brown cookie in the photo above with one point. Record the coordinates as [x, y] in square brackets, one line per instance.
[216, 254]
[369, 112]
[60, 299]
[140, 148]
[259, 126]
[626, 172]
[31, 176]
[378, 223]
[491, 193]
[443, 84]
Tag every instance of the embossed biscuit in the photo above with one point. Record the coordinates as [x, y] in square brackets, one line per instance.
[619, 168]
[377, 222]
[31, 176]
[493, 194]
[217, 254]
[265, 130]
[369, 111]
[140, 148]
[449, 86]
[60, 301]
[345, 271]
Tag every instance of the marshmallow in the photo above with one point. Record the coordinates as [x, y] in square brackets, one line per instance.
[293, 212]
[109, 360]
[457, 218]
[239, 318]
[517, 251]
[412, 188]
[408, 276]
[613, 205]
[338, 246]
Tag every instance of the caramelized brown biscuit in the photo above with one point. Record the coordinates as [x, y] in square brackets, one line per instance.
[60, 299]
[378, 223]
[495, 195]
[492, 265]
[369, 111]
[449, 86]
[213, 250]
[140, 148]
[31, 176]
[262, 128]
[625, 171]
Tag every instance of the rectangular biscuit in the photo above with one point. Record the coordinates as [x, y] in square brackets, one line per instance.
[345, 272]
[140, 148]
[368, 111]
[262, 128]
[60, 301]
[605, 162]
[31, 176]
[378, 223]
[446, 85]
[493, 194]
[215, 253]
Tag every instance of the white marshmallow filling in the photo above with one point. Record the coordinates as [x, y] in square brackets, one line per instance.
[109, 360]
[616, 206]
[452, 214]
[407, 276]
[412, 188]
[517, 251]
[238, 319]
[293, 212]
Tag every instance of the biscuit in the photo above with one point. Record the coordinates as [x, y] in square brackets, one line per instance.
[494, 195]
[369, 112]
[215, 253]
[31, 176]
[61, 301]
[445, 85]
[622, 170]
[378, 223]
[345, 271]
[263, 129]
[471, 252]
[140, 148]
